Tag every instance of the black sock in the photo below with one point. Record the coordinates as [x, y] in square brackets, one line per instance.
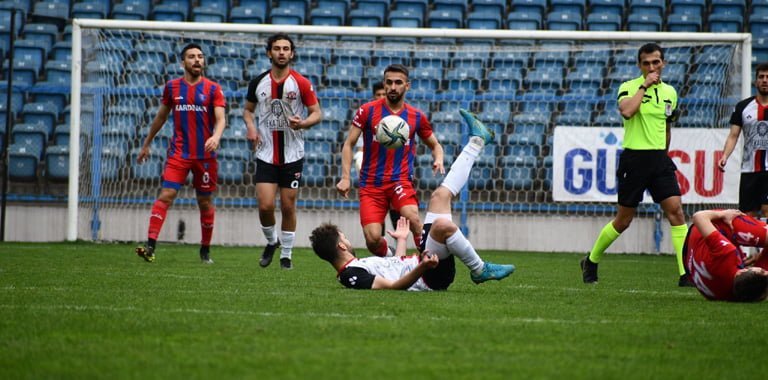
[151, 244]
[205, 249]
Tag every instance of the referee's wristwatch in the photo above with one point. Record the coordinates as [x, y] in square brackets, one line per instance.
[642, 87]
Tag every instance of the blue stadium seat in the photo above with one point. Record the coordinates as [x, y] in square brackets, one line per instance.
[17, 103]
[45, 32]
[90, 9]
[758, 24]
[572, 6]
[592, 74]
[365, 17]
[544, 78]
[446, 19]
[497, 6]
[151, 169]
[524, 20]
[553, 57]
[45, 114]
[419, 6]
[729, 7]
[688, 7]
[530, 6]
[62, 51]
[609, 22]
[713, 54]
[519, 162]
[31, 136]
[684, 23]
[698, 119]
[335, 16]
[315, 174]
[130, 11]
[162, 139]
[609, 118]
[57, 163]
[22, 164]
[485, 19]
[564, 21]
[644, 22]
[517, 178]
[709, 74]
[51, 12]
[652, 7]
[209, 14]
[25, 72]
[608, 6]
[674, 74]
[725, 23]
[287, 15]
[232, 165]
[61, 134]
[342, 75]
[34, 50]
[169, 12]
[446, 5]
[248, 14]
[219, 4]
[590, 56]
[481, 178]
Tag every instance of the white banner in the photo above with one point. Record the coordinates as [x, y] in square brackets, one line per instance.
[585, 160]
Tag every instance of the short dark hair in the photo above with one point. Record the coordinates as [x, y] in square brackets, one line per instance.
[648, 49]
[376, 87]
[398, 68]
[749, 286]
[190, 46]
[761, 67]
[324, 240]
[279, 36]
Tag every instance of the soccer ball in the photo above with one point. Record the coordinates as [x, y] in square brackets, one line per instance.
[392, 132]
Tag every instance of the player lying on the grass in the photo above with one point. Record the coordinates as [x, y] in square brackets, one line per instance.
[441, 240]
[716, 264]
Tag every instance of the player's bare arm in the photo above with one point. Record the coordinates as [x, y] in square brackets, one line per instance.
[314, 116]
[437, 154]
[221, 122]
[252, 134]
[344, 183]
[730, 144]
[157, 123]
[400, 234]
[703, 219]
[409, 278]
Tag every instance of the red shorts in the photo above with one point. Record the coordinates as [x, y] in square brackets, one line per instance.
[375, 202]
[204, 173]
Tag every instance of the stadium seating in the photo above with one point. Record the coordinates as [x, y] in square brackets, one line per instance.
[607, 6]
[130, 11]
[524, 20]
[232, 165]
[57, 163]
[725, 23]
[32, 137]
[684, 23]
[209, 14]
[609, 22]
[730, 7]
[688, 7]
[644, 22]
[90, 9]
[564, 20]
[648, 7]
[22, 164]
[51, 11]
[45, 114]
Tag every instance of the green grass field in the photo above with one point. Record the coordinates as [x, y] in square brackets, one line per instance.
[97, 311]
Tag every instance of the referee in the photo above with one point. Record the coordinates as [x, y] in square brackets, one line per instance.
[648, 106]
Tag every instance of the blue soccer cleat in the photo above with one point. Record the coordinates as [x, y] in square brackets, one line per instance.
[477, 128]
[493, 271]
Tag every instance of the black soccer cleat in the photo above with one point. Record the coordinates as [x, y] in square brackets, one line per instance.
[588, 271]
[146, 253]
[286, 263]
[269, 251]
[685, 281]
[205, 256]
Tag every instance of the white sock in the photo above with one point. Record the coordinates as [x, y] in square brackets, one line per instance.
[286, 243]
[459, 173]
[431, 216]
[269, 234]
[459, 246]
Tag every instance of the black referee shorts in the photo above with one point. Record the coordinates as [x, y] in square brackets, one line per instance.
[645, 169]
[753, 191]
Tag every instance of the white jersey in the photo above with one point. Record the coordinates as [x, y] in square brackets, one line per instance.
[275, 102]
[391, 268]
[752, 117]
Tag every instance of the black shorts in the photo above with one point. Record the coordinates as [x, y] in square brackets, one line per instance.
[285, 176]
[753, 191]
[645, 169]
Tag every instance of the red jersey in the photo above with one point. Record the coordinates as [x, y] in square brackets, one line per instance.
[713, 261]
[382, 165]
[193, 116]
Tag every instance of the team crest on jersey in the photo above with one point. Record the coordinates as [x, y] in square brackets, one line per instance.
[291, 95]
[297, 175]
[762, 128]
[202, 97]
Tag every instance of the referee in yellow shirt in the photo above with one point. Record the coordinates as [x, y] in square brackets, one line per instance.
[648, 106]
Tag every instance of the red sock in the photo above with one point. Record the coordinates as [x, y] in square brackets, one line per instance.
[157, 218]
[206, 224]
[382, 249]
[417, 241]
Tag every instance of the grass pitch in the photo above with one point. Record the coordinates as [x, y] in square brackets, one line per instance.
[84, 310]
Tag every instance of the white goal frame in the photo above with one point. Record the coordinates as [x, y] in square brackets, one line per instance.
[743, 39]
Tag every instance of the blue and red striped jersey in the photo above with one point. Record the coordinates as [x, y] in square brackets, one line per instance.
[382, 165]
[192, 109]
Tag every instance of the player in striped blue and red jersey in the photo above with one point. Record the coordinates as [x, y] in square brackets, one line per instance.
[284, 104]
[386, 174]
[197, 106]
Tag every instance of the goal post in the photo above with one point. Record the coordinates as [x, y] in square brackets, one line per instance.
[498, 73]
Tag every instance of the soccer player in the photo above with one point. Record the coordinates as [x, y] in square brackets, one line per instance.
[716, 264]
[385, 176]
[750, 118]
[649, 107]
[434, 268]
[378, 93]
[286, 104]
[199, 120]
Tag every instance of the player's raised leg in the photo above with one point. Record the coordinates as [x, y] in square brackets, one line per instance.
[444, 237]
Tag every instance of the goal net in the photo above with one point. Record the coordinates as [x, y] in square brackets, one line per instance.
[550, 96]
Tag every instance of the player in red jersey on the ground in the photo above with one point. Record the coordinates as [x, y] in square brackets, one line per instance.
[386, 174]
[197, 105]
[717, 266]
